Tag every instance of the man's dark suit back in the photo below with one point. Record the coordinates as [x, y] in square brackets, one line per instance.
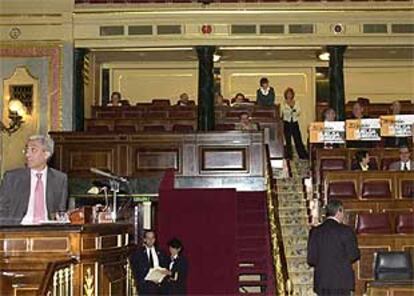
[15, 194]
[332, 248]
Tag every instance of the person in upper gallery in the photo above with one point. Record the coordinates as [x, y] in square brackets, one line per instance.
[116, 99]
[265, 95]
[405, 163]
[357, 111]
[239, 99]
[361, 162]
[36, 193]
[184, 100]
[395, 108]
[245, 123]
[332, 248]
[329, 115]
[145, 258]
[395, 142]
[220, 101]
[290, 114]
[176, 281]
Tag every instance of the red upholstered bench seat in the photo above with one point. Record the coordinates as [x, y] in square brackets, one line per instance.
[342, 189]
[405, 223]
[407, 188]
[183, 128]
[154, 128]
[373, 223]
[333, 164]
[376, 189]
[225, 127]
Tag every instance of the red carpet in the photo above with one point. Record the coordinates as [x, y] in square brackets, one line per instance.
[205, 220]
[253, 242]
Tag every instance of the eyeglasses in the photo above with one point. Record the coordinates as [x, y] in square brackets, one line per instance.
[30, 150]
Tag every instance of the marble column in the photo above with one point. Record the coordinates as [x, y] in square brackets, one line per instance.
[336, 80]
[205, 88]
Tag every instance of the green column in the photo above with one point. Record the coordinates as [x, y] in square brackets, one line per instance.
[205, 88]
[78, 88]
[336, 80]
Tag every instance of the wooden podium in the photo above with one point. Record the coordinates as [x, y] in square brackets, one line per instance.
[87, 260]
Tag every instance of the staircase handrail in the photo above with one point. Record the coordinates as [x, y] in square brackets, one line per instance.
[278, 251]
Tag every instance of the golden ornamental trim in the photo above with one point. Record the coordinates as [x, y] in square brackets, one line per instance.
[88, 283]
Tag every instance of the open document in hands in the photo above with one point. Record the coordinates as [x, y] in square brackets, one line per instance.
[156, 275]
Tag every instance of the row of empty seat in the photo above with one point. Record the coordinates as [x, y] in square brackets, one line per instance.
[128, 126]
[127, 129]
[382, 223]
[217, 1]
[159, 111]
[369, 185]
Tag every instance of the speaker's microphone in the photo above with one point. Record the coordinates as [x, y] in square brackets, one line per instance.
[108, 175]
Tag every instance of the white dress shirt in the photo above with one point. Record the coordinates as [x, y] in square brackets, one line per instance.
[29, 217]
[404, 165]
[288, 113]
[154, 256]
[172, 262]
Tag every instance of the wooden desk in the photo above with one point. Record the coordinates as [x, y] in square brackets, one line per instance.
[391, 289]
[73, 259]
[371, 243]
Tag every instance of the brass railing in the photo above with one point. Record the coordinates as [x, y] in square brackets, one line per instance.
[278, 251]
[58, 279]
[131, 286]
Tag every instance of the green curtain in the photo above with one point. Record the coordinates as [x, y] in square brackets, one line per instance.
[205, 88]
[78, 88]
[336, 80]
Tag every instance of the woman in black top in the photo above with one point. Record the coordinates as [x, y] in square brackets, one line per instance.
[265, 95]
[176, 282]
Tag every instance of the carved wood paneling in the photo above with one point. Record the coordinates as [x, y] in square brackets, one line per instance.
[30, 251]
[232, 153]
[219, 159]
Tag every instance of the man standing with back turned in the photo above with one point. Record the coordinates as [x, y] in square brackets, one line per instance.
[36, 193]
[332, 248]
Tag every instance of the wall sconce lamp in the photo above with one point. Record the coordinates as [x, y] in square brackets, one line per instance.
[16, 113]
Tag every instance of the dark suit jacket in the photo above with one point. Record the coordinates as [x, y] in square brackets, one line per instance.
[332, 248]
[179, 272]
[140, 264]
[396, 166]
[15, 194]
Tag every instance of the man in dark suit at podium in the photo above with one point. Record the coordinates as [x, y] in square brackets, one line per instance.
[145, 258]
[332, 248]
[36, 193]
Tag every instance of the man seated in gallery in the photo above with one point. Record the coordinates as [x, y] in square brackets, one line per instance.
[184, 100]
[405, 163]
[116, 99]
[35, 193]
[245, 123]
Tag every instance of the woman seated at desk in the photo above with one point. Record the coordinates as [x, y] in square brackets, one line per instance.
[361, 162]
